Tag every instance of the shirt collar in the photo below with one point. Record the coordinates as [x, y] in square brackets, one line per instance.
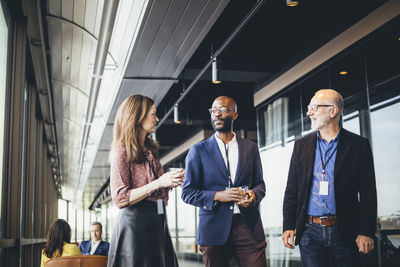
[96, 242]
[220, 142]
[334, 140]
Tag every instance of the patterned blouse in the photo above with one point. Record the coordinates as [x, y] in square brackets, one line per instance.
[126, 176]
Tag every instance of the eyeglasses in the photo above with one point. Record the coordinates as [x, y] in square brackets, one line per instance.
[222, 110]
[315, 107]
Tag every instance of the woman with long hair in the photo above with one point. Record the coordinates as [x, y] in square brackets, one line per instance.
[139, 187]
[58, 242]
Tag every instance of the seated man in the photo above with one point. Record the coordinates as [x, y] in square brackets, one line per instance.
[96, 246]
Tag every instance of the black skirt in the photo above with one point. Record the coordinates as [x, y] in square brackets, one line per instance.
[141, 238]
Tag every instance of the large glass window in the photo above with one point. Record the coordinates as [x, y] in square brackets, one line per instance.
[62, 209]
[72, 221]
[3, 75]
[382, 56]
[275, 176]
[112, 217]
[186, 225]
[386, 147]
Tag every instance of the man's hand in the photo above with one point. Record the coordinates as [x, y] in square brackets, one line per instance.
[229, 195]
[365, 244]
[288, 239]
[248, 199]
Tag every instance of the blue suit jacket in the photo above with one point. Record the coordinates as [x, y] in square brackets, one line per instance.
[102, 248]
[206, 173]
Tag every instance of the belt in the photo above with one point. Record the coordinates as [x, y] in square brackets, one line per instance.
[322, 220]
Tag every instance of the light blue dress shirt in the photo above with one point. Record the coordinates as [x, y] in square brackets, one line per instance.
[321, 205]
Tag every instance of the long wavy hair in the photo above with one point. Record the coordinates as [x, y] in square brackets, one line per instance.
[128, 128]
[59, 232]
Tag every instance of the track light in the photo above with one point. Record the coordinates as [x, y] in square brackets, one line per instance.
[292, 2]
[215, 73]
[176, 114]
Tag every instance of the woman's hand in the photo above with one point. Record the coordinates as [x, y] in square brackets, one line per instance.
[171, 179]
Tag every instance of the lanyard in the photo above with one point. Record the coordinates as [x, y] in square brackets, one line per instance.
[326, 162]
[228, 166]
[151, 165]
[160, 203]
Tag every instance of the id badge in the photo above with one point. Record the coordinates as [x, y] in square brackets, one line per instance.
[160, 206]
[323, 188]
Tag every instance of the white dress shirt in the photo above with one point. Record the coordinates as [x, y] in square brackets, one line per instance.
[94, 246]
[233, 155]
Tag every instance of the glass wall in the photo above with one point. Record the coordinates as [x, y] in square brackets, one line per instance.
[63, 209]
[182, 218]
[382, 56]
[3, 85]
[368, 77]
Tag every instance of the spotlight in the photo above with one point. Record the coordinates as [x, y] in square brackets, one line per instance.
[343, 72]
[176, 114]
[292, 3]
[215, 73]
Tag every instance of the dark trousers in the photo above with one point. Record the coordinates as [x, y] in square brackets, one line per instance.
[241, 245]
[321, 245]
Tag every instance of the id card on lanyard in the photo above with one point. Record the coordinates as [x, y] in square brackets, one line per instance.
[160, 203]
[160, 206]
[324, 184]
[323, 188]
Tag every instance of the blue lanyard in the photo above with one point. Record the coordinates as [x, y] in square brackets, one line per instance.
[322, 161]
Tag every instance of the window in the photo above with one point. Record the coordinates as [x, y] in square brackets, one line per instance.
[384, 81]
[3, 87]
[62, 209]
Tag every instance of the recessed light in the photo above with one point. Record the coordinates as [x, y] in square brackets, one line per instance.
[292, 3]
[343, 72]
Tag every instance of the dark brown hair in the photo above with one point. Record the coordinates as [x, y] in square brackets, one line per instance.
[128, 128]
[59, 232]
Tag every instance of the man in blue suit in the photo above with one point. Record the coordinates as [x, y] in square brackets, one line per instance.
[96, 246]
[216, 169]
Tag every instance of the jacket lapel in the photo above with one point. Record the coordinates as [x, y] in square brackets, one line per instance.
[215, 155]
[309, 158]
[242, 150]
[89, 247]
[342, 150]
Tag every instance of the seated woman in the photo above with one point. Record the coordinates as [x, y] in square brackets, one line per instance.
[58, 242]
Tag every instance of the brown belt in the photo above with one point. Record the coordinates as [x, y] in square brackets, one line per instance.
[323, 220]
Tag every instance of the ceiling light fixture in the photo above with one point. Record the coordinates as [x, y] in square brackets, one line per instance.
[292, 3]
[215, 72]
[224, 45]
[343, 72]
[176, 114]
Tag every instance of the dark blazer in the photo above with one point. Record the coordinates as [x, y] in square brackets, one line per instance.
[354, 176]
[102, 248]
[206, 173]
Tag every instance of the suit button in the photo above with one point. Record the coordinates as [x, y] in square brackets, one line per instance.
[204, 207]
[231, 207]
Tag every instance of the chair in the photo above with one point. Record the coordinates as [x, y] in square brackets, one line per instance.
[78, 261]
